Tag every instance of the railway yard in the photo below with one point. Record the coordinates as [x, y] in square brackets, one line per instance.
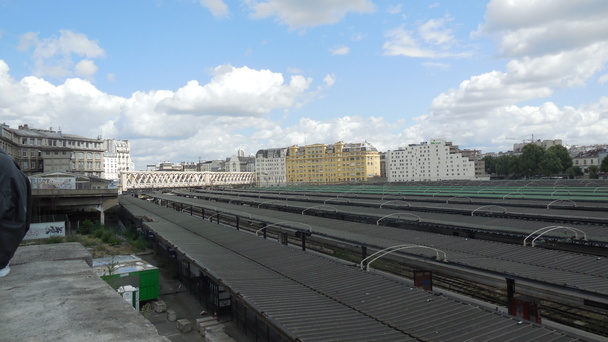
[352, 251]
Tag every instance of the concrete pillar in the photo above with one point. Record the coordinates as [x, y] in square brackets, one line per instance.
[102, 215]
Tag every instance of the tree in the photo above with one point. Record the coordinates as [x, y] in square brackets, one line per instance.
[503, 165]
[562, 154]
[604, 164]
[490, 163]
[550, 164]
[593, 170]
[574, 171]
[530, 159]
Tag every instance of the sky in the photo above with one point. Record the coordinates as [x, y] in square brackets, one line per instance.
[190, 80]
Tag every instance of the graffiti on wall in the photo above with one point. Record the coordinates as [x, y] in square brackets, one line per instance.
[45, 230]
[53, 183]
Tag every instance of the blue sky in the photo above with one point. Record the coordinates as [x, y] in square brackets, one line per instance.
[184, 79]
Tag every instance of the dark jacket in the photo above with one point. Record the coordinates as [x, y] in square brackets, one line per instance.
[15, 207]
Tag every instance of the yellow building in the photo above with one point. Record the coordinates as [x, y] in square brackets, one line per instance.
[332, 164]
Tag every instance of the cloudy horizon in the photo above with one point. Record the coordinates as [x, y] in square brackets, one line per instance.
[183, 80]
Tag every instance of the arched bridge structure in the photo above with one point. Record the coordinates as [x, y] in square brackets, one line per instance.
[188, 179]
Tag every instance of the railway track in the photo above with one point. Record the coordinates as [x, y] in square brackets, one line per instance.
[590, 320]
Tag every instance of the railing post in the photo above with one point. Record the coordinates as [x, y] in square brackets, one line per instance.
[363, 252]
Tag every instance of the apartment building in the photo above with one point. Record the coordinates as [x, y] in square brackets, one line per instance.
[474, 156]
[589, 158]
[40, 151]
[434, 161]
[332, 164]
[117, 158]
[270, 167]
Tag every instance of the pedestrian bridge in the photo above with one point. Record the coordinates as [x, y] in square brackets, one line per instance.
[188, 179]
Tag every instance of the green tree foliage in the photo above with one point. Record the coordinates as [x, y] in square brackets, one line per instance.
[604, 164]
[562, 154]
[534, 161]
[490, 164]
[550, 164]
[593, 170]
[506, 165]
[574, 171]
[530, 159]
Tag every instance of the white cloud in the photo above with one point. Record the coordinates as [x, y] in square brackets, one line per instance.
[329, 80]
[402, 43]
[237, 91]
[85, 68]
[431, 39]
[529, 76]
[178, 125]
[547, 121]
[434, 32]
[217, 7]
[486, 107]
[53, 56]
[301, 14]
[530, 28]
[340, 50]
[603, 79]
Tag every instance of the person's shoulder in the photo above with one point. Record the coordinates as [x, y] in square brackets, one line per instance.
[6, 161]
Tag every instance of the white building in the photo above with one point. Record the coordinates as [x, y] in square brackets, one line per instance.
[117, 158]
[270, 167]
[239, 163]
[428, 162]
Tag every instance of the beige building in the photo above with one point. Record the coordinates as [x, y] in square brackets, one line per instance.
[589, 158]
[332, 164]
[41, 151]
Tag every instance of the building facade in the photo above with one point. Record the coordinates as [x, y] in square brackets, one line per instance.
[332, 164]
[589, 158]
[41, 151]
[240, 164]
[474, 156]
[437, 161]
[212, 166]
[270, 167]
[117, 158]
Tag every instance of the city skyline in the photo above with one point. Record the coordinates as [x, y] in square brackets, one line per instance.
[183, 80]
